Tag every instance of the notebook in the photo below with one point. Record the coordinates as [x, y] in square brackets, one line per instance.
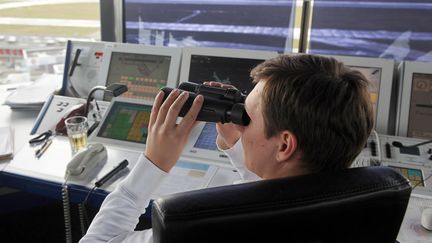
[6, 143]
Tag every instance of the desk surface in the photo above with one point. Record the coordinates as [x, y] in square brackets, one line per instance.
[46, 180]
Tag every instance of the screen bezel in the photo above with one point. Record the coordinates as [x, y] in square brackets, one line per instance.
[174, 53]
[135, 146]
[188, 52]
[210, 156]
[387, 67]
[407, 69]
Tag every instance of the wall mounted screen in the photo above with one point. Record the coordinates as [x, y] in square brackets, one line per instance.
[395, 29]
[241, 24]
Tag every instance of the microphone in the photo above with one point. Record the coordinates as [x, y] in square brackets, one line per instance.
[400, 145]
[113, 172]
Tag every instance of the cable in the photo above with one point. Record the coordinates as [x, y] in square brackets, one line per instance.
[378, 145]
[83, 215]
[82, 211]
[88, 195]
[82, 207]
[66, 211]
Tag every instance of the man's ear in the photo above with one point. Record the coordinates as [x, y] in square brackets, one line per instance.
[287, 146]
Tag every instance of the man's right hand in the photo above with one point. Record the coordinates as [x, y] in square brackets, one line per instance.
[228, 133]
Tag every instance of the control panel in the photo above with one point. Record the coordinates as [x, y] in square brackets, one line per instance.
[57, 106]
[83, 72]
[412, 157]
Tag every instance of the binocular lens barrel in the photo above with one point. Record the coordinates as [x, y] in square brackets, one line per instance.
[220, 105]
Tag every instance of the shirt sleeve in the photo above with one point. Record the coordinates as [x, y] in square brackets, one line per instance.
[119, 213]
[236, 157]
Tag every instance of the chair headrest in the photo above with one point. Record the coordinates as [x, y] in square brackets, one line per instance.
[292, 202]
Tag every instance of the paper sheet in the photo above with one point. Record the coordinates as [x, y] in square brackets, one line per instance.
[34, 95]
[6, 143]
[411, 230]
[186, 176]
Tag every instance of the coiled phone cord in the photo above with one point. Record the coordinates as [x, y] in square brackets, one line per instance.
[83, 218]
[66, 212]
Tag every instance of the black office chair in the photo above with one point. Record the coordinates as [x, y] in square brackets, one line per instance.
[355, 205]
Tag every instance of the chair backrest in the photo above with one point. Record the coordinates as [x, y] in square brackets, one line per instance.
[354, 205]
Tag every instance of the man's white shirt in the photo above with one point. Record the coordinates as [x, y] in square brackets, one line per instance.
[120, 211]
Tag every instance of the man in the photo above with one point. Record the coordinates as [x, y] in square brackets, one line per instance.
[308, 114]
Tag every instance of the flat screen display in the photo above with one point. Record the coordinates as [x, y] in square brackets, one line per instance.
[373, 74]
[227, 70]
[415, 176]
[420, 111]
[126, 122]
[372, 28]
[241, 24]
[144, 74]
[207, 137]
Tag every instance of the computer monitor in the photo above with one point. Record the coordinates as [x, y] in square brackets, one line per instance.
[248, 24]
[83, 63]
[144, 69]
[372, 28]
[380, 74]
[415, 100]
[125, 124]
[228, 66]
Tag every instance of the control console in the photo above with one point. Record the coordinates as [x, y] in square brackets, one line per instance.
[412, 157]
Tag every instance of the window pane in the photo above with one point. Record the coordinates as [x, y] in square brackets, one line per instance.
[33, 35]
[386, 28]
[248, 24]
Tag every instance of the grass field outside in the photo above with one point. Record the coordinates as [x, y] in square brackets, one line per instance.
[88, 11]
[69, 11]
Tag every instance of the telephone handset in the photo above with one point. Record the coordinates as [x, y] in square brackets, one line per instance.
[86, 160]
[76, 110]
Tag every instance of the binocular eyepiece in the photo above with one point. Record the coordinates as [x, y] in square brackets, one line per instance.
[220, 104]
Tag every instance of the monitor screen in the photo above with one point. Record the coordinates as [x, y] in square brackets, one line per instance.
[227, 70]
[372, 28]
[420, 109]
[144, 74]
[126, 122]
[222, 65]
[207, 138]
[379, 73]
[241, 24]
[373, 74]
[415, 100]
[415, 176]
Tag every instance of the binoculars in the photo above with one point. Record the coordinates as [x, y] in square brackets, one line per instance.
[220, 104]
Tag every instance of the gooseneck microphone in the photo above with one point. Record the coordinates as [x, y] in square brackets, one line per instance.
[400, 145]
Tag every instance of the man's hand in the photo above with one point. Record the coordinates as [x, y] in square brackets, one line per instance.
[166, 139]
[228, 133]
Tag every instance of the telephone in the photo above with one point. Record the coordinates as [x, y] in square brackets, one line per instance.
[76, 110]
[86, 160]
